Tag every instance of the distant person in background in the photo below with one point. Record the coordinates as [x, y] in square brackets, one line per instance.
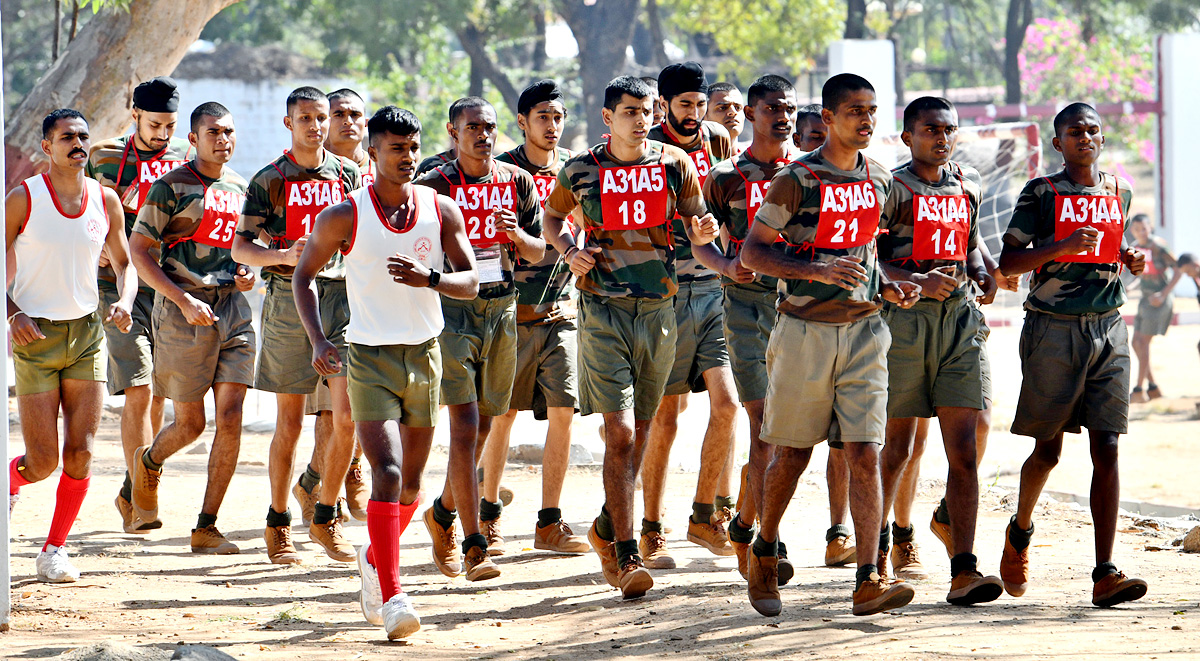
[1188, 266]
[660, 106]
[725, 107]
[1157, 307]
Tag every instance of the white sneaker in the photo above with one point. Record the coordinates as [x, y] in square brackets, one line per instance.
[371, 596]
[399, 618]
[54, 567]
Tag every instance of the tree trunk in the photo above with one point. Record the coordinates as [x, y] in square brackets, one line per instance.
[603, 29]
[539, 42]
[474, 43]
[856, 19]
[96, 74]
[654, 21]
[74, 20]
[475, 81]
[57, 28]
[1020, 15]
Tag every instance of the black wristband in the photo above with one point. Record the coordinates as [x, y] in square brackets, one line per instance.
[435, 276]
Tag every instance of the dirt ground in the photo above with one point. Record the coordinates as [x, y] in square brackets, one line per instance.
[144, 596]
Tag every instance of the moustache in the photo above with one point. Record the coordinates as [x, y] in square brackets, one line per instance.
[77, 151]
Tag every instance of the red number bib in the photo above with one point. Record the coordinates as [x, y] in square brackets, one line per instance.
[306, 199]
[633, 197]
[148, 172]
[368, 175]
[221, 211]
[1103, 212]
[849, 215]
[544, 184]
[703, 166]
[478, 202]
[940, 227]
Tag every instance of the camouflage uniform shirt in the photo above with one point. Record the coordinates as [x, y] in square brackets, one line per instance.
[435, 161]
[1158, 260]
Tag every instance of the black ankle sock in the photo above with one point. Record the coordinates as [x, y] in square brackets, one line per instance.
[205, 520]
[625, 550]
[903, 535]
[724, 502]
[942, 515]
[309, 479]
[549, 516]
[864, 572]
[739, 533]
[1103, 569]
[651, 526]
[489, 511]
[764, 549]
[444, 517]
[276, 519]
[127, 488]
[885, 538]
[323, 514]
[149, 463]
[1018, 537]
[474, 540]
[835, 531]
[963, 562]
[782, 552]
[702, 512]
[604, 525]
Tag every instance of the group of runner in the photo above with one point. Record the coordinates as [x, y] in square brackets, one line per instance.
[835, 300]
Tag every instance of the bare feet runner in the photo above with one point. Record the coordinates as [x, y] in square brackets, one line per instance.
[1068, 228]
[545, 380]
[129, 165]
[202, 321]
[827, 355]
[56, 224]
[282, 203]
[627, 191]
[503, 217]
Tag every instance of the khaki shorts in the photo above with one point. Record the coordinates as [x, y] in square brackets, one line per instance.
[70, 350]
[547, 361]
[1152, 320]
[130, 355]
[626, 347]
[699, 320]
[749, 318]
[395, 382]
[285, 359]
[934, 360]
[192, 358]
[822, 371]
[985, 363]
[1074, 373]
[479, 352]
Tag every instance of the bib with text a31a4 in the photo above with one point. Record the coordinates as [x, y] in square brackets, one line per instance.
[306, 199]
[479, 203]
[849, 215]
[1103, 212]
[940, 227]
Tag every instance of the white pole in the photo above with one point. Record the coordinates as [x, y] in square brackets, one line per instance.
[5, 573]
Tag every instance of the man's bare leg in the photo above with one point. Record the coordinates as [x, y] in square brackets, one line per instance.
[289, 416]
[703, 528]
[460, 496]
[656, 464]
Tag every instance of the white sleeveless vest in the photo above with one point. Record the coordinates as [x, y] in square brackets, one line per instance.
[57, 255]
[383, 311]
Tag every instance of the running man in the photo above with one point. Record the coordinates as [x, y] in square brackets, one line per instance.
[733, 194]
[659, 107]
[56, 224]
[827, 357]
[810, 131]
[627, 191]
[701, 356]
[1074, 344]
[282, 203]
[503, 217]
[392, 236]
[129, 165]
[546, 337]
[935, 363]
[202, 327]
[725, 107]
[1157, 305]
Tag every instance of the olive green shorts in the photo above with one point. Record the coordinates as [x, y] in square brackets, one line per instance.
[70, 350]
[935, 357]
[285, 359]
[395, 382]
[626, 347]
[1152, 320]
[822, 372]
[130, 355]
[985, 363]
[547, 362]
[1074, 373]
[479, 352]
[749, 318]
[699, 320]
[190, 359]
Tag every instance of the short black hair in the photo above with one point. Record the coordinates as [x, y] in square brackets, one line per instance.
[722, 86]
[207, 109]
[919, 105]
[539, 91]
[344, 93]
[306, 93]
[390, 119]
[836, 89]
[466, 103]
[765, 85]
[1140, 218]
[806, 111]
[652, 82]
[622, 85]
[55, 115]
[1071, 112]
[1185, 259]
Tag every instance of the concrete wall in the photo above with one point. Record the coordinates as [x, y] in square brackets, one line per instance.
[1180, 93]
[873, 59]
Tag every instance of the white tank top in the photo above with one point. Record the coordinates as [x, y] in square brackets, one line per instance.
[383, 311]
[57, 255]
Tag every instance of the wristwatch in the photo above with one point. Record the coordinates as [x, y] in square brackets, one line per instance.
[435, 276]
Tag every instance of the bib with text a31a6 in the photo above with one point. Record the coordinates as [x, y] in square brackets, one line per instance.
[306, 199]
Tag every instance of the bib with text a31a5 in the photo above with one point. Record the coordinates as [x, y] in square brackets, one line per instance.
[1102, 212]
[306, 199]
[849, 215]
[633, 197]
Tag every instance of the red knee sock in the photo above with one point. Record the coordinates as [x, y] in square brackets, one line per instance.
[66, 507]
[16, 479]
[383, 526]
